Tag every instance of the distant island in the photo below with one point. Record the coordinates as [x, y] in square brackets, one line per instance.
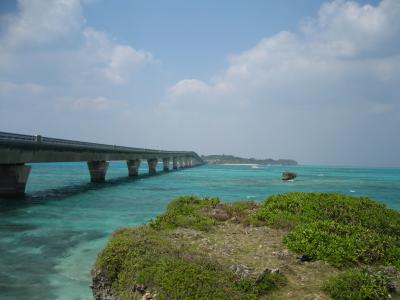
[230, 159]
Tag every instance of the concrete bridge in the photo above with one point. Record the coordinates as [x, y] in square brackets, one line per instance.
[17, 149]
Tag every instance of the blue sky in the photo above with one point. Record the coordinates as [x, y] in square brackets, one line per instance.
[315, 81]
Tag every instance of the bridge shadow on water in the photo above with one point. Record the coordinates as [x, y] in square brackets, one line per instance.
[58, 194]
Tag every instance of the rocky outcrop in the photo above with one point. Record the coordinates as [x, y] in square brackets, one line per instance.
[288, 175]
[102, 290]
[101, 286]
[244, 271]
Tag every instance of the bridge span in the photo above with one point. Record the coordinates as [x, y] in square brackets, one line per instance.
[18, 149]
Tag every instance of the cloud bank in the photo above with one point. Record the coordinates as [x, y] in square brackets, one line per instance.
[327, 94]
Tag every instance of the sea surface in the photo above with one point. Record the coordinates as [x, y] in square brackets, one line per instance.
[50, 239]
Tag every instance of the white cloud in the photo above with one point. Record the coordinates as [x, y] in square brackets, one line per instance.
[300, 90]
[125, 60]
[348, 28]
[381, 108]
[115, 62]
[52, 34]
[28, 88]
[98, 104]
[329, 53]
[42, 21]
[186, 86]
[61, 77]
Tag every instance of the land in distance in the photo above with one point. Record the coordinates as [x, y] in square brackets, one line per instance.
[230, 159]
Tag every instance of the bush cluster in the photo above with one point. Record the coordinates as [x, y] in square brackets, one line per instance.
[186, 211]
[340, 229]
[291, 209]
[339, 244]
[359, 284]
[268, 282]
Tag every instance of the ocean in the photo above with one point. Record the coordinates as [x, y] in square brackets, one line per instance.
[49, 239]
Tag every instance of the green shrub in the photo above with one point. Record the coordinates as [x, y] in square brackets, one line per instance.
[262, 286]
[291, 209]
[339, 244]
[175, 278]
[359, 284]
[269, 282]
[186, 211]
[130, 248]
[340, 229]
[393, 256]
[145, 256]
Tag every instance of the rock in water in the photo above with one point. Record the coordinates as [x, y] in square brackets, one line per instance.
[288, 175]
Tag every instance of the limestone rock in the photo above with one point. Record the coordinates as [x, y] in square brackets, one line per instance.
[288, 175]
[101, 286]
[219, 213]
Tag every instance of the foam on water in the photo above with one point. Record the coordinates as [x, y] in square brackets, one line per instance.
[49, 239]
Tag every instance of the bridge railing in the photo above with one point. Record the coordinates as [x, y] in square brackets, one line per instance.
[16, 136]
[38, 139]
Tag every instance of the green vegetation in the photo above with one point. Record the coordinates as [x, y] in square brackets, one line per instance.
[340, 229]
[141, 256]
[147, 256]
[267, 283]
[230, 159]
[359, 284]
[339, 244]
[292, 209]
[186, 212]
[203, 249]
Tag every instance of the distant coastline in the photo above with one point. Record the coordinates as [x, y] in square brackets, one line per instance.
[230, 159]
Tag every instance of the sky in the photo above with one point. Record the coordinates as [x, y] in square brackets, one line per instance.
[315, 81]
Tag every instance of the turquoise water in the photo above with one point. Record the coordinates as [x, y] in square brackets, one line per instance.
[49, 239]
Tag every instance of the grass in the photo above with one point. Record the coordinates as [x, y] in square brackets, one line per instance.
[188, 252]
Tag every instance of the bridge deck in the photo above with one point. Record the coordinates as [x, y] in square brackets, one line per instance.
[18, 149]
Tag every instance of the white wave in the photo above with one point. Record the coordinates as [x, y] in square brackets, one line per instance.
[240, 164]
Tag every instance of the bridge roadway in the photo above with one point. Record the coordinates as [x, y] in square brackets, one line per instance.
[18, 149]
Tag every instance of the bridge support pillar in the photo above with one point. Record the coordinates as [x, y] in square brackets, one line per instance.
[133, 167]
[97, 170]
[175, 163]
[188, 162]
[152, 162]
[13, 179]
[181, 163]
[165, 164]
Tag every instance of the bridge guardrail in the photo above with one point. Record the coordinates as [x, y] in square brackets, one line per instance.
[38, 139]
